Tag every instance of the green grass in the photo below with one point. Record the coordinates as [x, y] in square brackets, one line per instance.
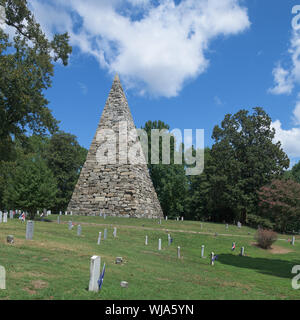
[55, 264]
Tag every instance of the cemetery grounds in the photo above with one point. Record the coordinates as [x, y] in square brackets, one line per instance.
[56, 263]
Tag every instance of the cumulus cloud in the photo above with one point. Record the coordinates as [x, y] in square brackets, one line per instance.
[283, 81]
[155, 46]
[288, 138]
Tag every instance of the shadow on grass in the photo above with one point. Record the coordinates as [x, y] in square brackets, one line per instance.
[273, 267]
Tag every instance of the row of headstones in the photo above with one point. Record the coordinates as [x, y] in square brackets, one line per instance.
[4, 215]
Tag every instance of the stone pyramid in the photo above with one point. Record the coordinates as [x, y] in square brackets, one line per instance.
[115, 189]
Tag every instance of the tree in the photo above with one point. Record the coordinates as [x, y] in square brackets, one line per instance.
[295, 172]
[279, 202]
[30, 187]
[26, 66]
[169, 180]
[246, 159]
[65, 158]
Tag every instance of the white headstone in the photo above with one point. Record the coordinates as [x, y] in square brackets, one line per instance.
[2, 278]
[94, 273]
[71, 213]
[60, 213]
[99, 238]
[11, 215]
[29, 230]
[115, 232]
[169, 239]
[202, 251]
[166, 218]
[212, 259]
[293, 240]
[226, 226]
[105, 234]
[58, 219]
[1, 216]
[177, 219]
[242, 251]
[66, 213]
[178, 252]
[79, 230]
[70, 225]
[146, 241]
[159, 244]
[5, 217]
[181, 218]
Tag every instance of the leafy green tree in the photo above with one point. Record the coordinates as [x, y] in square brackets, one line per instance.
[295, 172]
[31, 186]
[246, 158]
[26, 65]
[65, 158]
[169, 180]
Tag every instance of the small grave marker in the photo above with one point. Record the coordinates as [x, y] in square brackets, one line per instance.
[212, 259]
[124, 284]
[202, 251]
[99, 238]
[5, 217]
[115, 232]
[29, 230]
[105, 234]
[0, 216]
[159, 244]
[2, 278]
[10, 239]
[178, 252]
[94, 273]
[293, 241]
[79, 230]
[242, 251]
[70, 225]
[146, 241]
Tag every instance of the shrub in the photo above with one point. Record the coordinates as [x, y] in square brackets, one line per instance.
[265, 238]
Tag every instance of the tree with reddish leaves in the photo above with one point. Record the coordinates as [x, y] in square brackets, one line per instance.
[280, 203]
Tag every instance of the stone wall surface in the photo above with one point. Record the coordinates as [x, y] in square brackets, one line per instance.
[115, 189]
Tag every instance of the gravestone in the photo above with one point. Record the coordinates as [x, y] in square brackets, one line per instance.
[212, 261]
[66, 213]
[10, 239]
[159, 244]
[177, 219]
[79, 230]
[169, 239]
[124, 284]
[70, 225]
[5, 217]
[11, 215]
[202, 251]
[166, 218]
[146, 241]
[239, 225]
[71, 213]
[60, 213]
[38, 213]
[2, 278]
[178, 252]
[58, 220]
[99, 238]
[181, 218]
[94, 273]
[105, 234]
[1, 215]
[226, 226]
[119, 260]
[104, 216]
[29, 230]
[115, 232]
[242, 251]
[201, 226]
[293, 241]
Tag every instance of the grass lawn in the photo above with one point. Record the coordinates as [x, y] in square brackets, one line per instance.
[55, 264]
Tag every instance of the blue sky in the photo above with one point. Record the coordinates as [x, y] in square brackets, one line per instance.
[238, 54]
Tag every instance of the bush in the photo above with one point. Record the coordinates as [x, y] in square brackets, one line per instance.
[265, 238]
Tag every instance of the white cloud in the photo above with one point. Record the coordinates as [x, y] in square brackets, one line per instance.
[290, 139]
[283, 81]
[154, 48]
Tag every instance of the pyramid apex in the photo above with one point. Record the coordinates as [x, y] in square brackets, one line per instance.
[117, 79]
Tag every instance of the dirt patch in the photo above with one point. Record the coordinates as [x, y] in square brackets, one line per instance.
[39, 284]
[274, 249]
[31, 292]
